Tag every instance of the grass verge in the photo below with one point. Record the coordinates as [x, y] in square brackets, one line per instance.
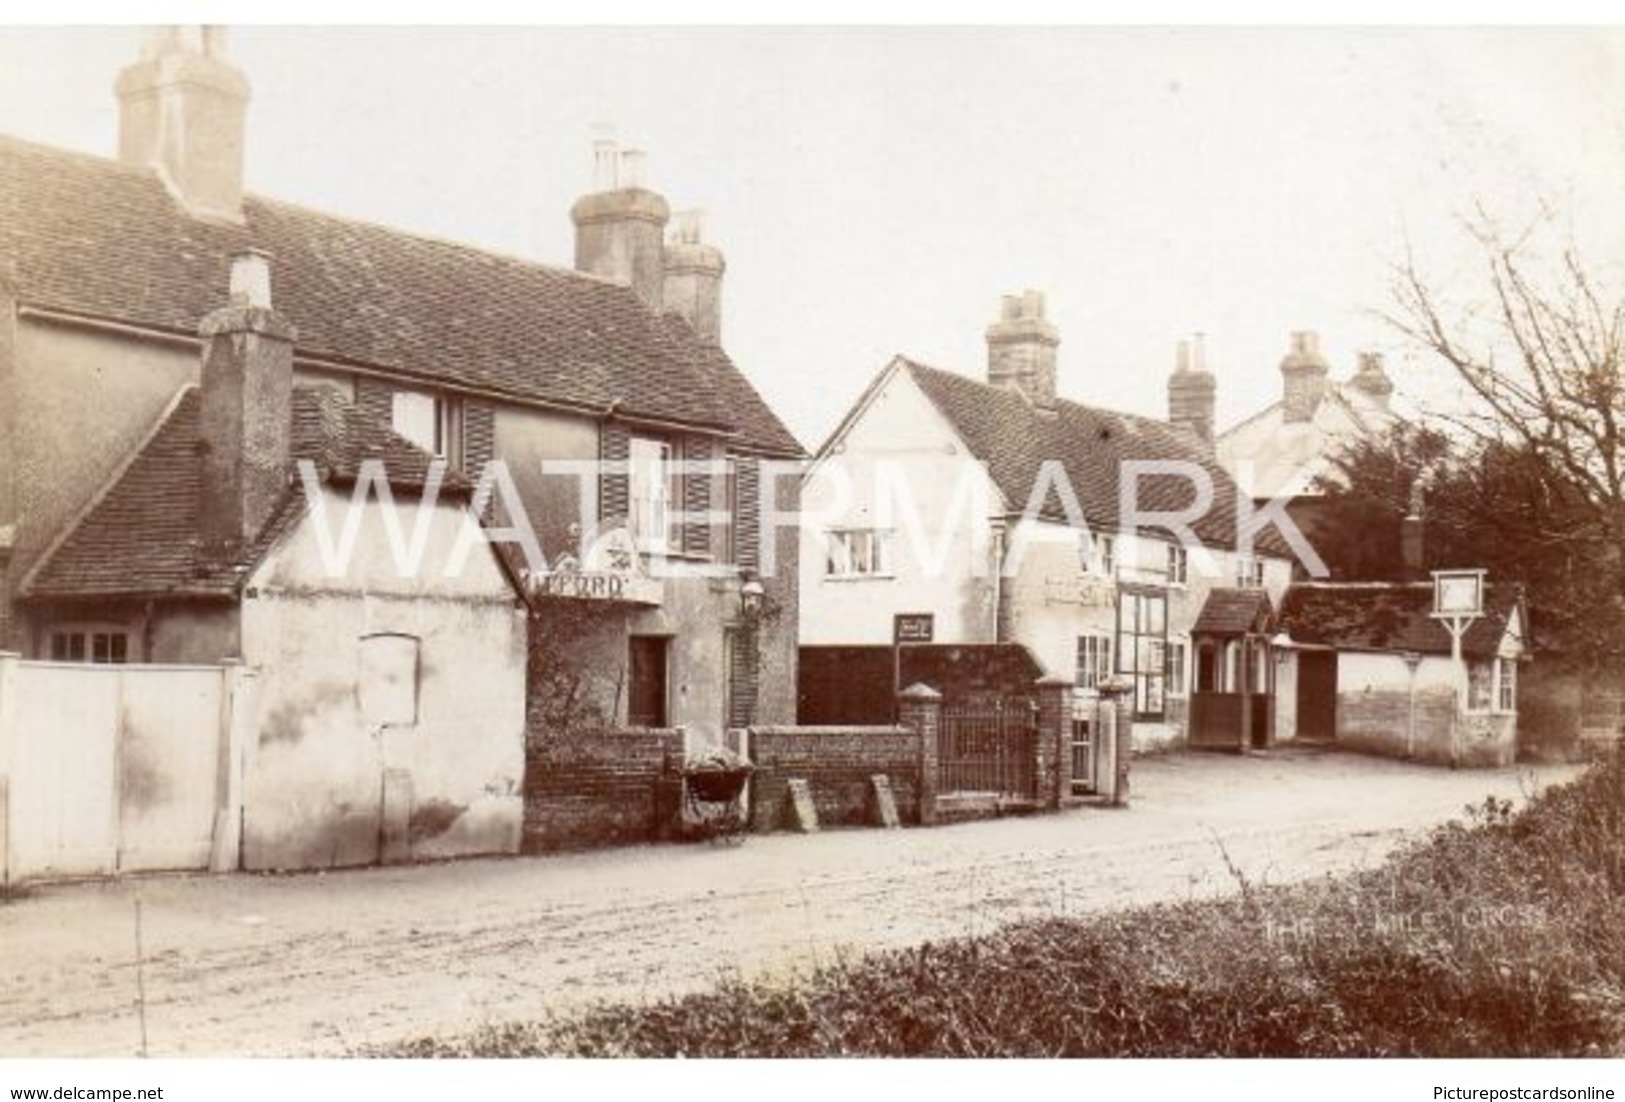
[1503, 936]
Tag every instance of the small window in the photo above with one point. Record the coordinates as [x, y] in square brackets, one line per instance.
[1506, 685]
[1098, 554]
[1094, 660]
[1249, 572]
[426, 420]
[98, 647]
[858, 553]
[1179, 564]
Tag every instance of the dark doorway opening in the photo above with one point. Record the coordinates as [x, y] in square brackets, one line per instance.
[1317, 696]
[646, 703]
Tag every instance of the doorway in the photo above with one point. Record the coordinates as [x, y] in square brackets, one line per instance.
[647, 697]
[1317, 696]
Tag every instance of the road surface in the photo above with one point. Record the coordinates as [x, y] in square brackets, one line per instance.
[323, 964]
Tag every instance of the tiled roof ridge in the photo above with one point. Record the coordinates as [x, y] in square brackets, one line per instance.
[1142, 420]
[421, 236]
[599, 342]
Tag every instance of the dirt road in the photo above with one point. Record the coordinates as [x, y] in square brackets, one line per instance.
[320, 964]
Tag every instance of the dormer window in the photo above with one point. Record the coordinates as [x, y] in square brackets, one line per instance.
[427, 420]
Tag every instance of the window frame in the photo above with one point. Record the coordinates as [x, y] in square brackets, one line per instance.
[1094, 648]
[84, 645]
[443, 409]
[669, 542]
[1143, 657]
[1249, 572]
[1179, 566]
[880, 554]
[1504, 694]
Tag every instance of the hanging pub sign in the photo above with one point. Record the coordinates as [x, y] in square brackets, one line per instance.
[1458, 593]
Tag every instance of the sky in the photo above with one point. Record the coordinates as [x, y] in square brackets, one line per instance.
[876, 191]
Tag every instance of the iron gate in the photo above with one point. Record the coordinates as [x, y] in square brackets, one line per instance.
[990, 747]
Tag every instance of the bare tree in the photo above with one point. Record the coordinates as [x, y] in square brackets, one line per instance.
[1540, 348]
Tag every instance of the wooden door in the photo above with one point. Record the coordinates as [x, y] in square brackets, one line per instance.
[646, 703]
[1317, 695]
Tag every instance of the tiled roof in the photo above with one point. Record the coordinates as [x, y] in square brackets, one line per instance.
[1233, 612]
[141, 537]
[1389, 617]
[1015, 439]
[89, 236]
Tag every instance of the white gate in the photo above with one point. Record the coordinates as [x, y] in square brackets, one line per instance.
[112, 768]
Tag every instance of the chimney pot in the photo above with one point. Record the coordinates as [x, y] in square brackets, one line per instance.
[1372, 380]
[632, 165]
[1191, 388]
[251, 278]
[621, 229]
[606, 156]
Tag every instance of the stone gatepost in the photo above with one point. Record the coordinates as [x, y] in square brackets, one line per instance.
[1114, 734]
[919, 708]
[1054, 772]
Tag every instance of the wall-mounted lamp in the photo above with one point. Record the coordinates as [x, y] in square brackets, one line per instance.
[752, 596]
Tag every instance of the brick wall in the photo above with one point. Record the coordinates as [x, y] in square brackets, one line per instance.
[609, 788]
[837, 763]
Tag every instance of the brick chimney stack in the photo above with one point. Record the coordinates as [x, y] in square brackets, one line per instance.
[1021, 349]
[182, 109]
[1191, 388]
[621, 225]
[1303, 376]
[1412, 546]
[1372, 380]
[694, 271]
[246, 427]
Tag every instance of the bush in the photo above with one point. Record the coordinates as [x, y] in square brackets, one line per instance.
[1503, 936]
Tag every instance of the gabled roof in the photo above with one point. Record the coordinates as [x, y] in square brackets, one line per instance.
[141, 536]
[1292, 449]
[87, 236]
[1229, 612]
[1014, 439]
[1390, 617]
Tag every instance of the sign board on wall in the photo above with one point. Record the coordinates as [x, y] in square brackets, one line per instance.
[913, 627]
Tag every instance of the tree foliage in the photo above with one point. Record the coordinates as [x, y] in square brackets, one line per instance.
[1528, 480]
